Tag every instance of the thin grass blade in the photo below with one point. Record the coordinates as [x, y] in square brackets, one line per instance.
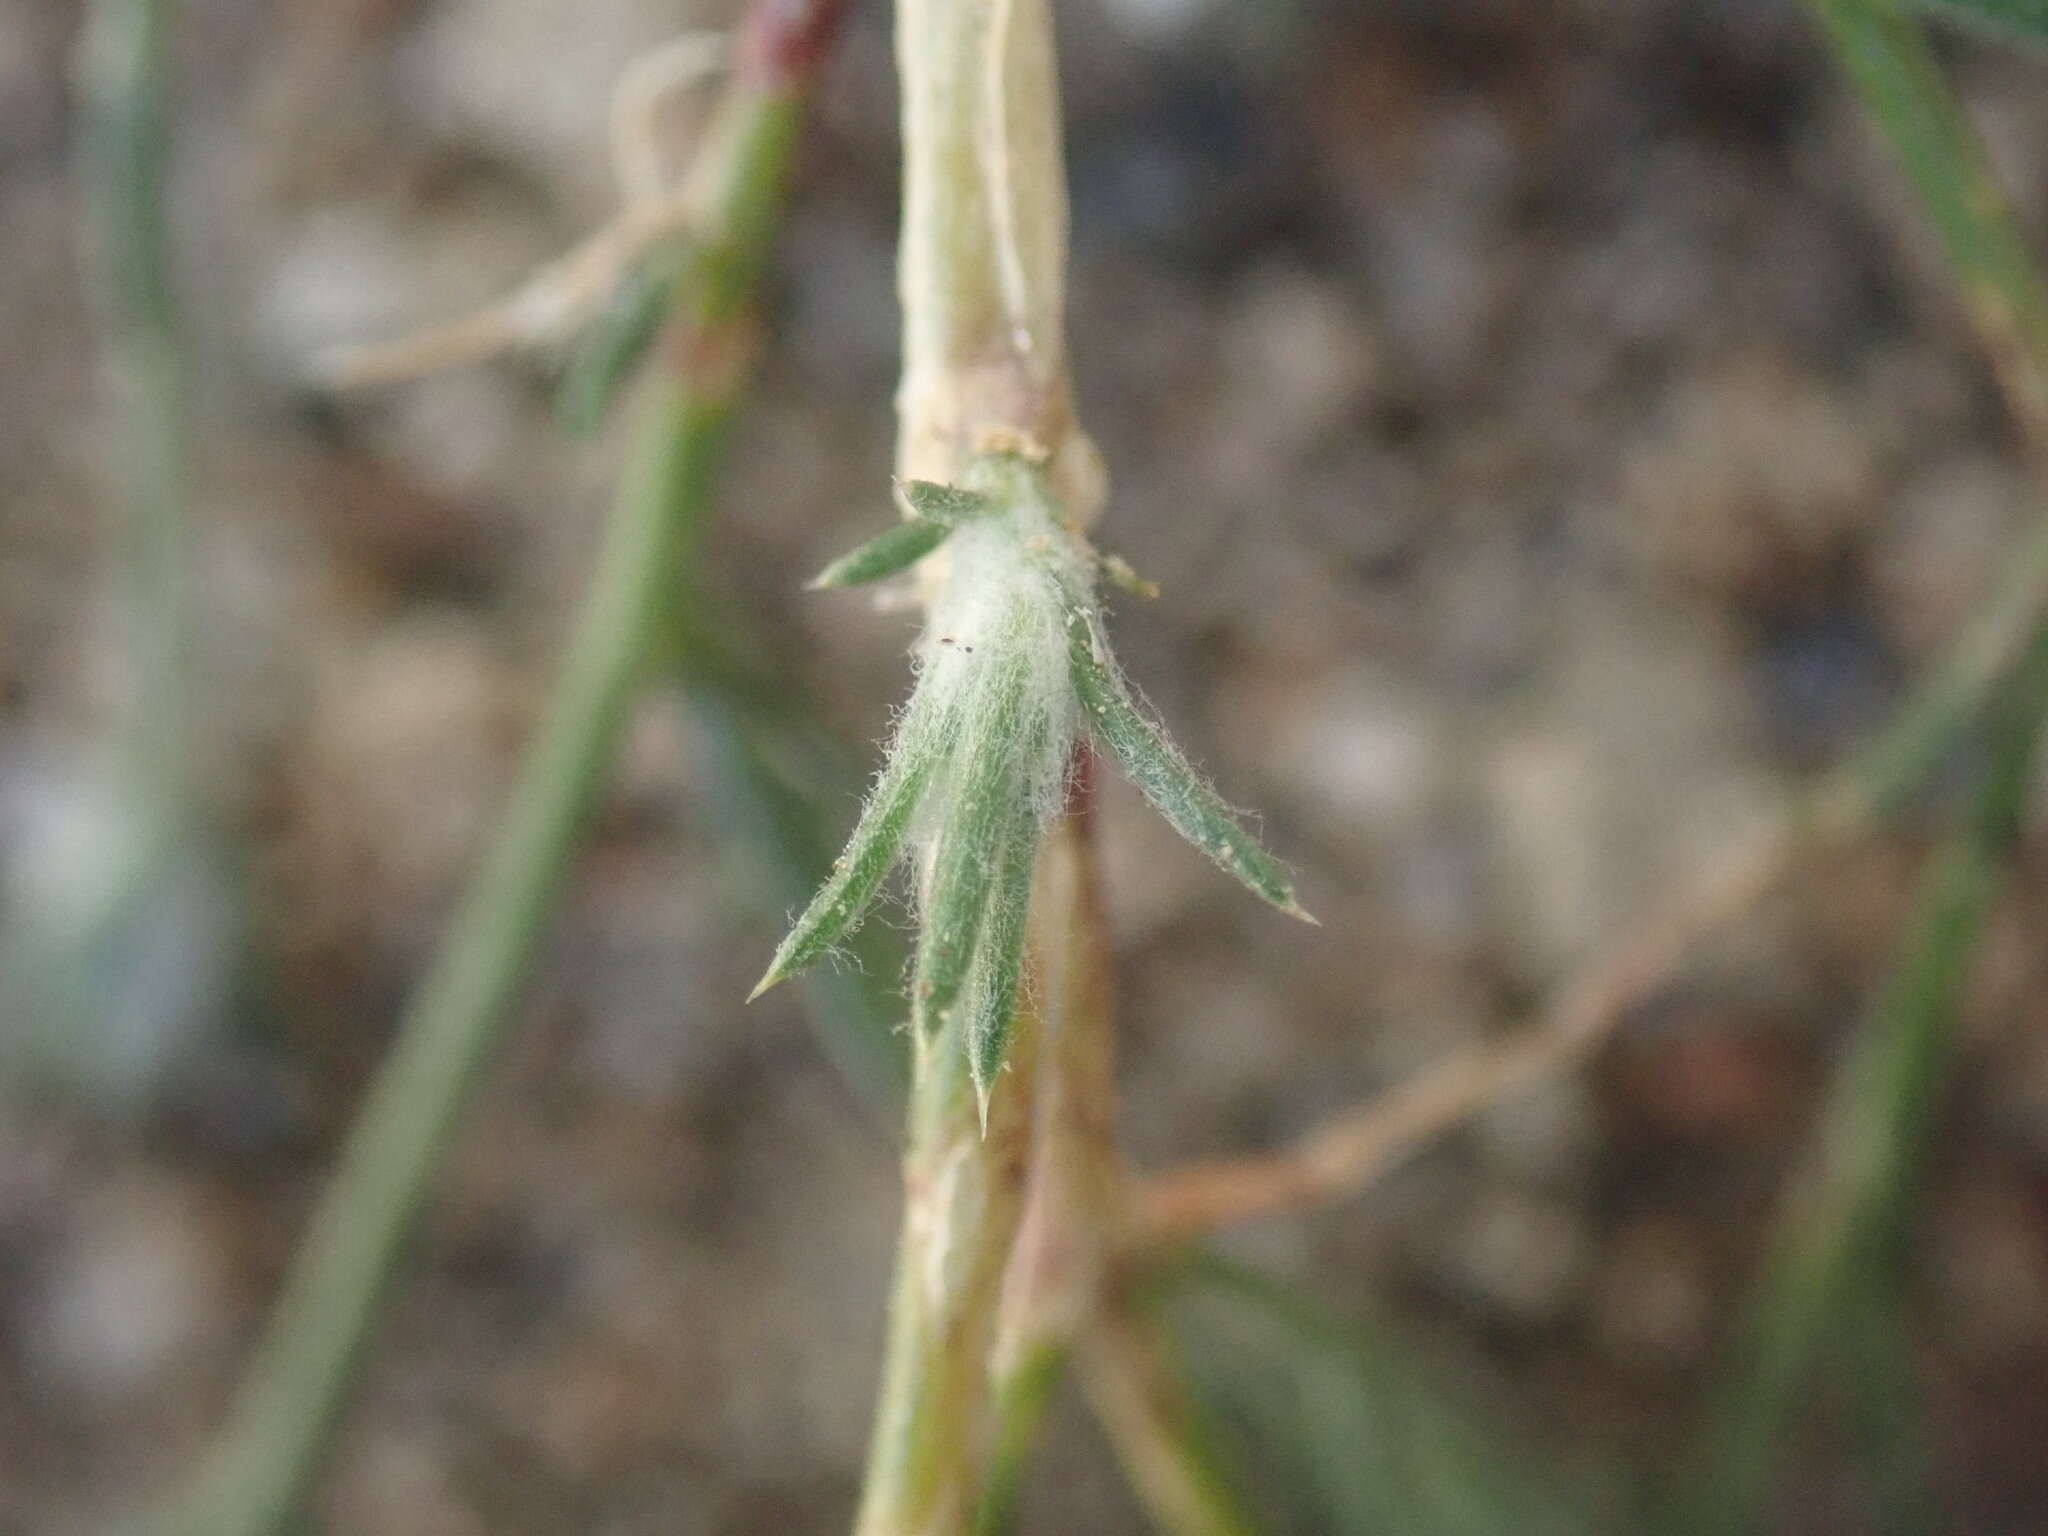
[1021, 1401]
[1887, 59]
[914, 757]
[1840, 1228]
[615, 343]
[1337, 1433]
[884, 555]
[1163, 776]
[2021, 18]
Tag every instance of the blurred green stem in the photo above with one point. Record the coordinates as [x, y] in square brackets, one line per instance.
[1886, 58]
[1877, 1359]
[1841, 1222]
[298, 1380]
[123, 150]
[981, 271]
[1831, 1278]
[1157, 1429]
[295, 1387]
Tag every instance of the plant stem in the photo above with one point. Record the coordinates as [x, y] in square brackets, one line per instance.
[982, 271]
[1876, 1353]
[1157, 1430]
[1887, 61]
[295, 1387]
[124, 144]
[982, 280]
[963, 1191]
[297, 1382]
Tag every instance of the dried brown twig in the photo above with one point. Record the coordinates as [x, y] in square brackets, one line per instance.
[2006, 303]
[1349, 1151]
[559, 298]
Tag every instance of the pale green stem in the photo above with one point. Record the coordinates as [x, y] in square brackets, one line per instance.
[963, 1192]
[982, 271]
[296, 1386]
[298, 1380]
[124, 146]
[1886, 59]
[982, 274]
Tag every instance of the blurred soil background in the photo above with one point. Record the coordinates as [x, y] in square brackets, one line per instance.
[1553, 436]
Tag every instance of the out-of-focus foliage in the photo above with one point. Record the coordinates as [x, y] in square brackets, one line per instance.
[1333, 1433]
[2024, 16]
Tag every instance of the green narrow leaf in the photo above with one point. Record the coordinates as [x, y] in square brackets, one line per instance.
[1021, 1401]
[2028, 18]
[884, 555]
[1163, 776]
[1000, 967]
[614, 344]
[1895, 1458]
[771, 825]
[1840, 1227]
[985, 809]
[1335, 1432]
[1887, 59]
[914, 756]
[951, 505]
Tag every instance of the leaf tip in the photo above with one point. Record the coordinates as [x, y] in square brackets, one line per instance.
[1295, 909]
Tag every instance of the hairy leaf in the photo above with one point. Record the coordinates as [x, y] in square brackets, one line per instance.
[914, 756]
[1000, 966]
[1163, 776]
[986, 808]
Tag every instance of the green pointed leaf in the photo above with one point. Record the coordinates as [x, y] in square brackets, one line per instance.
[951, 505]
[614, 343]
[985, 808]
[919, 746]
[2029, 18]
[1152, 762]
[769, 772]
[884, 555]
[1000, 967]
